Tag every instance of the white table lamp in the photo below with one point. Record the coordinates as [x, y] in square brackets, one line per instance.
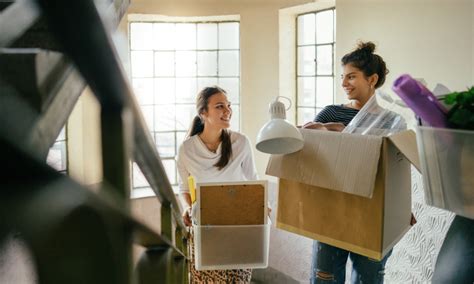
[278, 136]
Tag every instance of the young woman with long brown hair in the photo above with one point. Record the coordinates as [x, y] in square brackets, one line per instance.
[213, 153]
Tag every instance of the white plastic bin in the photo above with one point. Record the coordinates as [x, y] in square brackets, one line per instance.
[447, 164]
[231, 247]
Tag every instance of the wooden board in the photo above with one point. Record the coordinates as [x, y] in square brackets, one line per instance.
[242, 204]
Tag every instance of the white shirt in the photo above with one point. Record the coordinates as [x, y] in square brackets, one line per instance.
[195, 159]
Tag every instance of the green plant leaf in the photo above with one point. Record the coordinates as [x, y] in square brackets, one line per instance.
[450, 99]
[461, 114]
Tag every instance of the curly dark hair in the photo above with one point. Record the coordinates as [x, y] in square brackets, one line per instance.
[363, 58]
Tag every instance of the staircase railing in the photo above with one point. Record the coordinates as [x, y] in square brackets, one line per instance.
[77, 236]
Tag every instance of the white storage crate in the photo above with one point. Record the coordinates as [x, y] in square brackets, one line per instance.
[447, 164]
[231, 247]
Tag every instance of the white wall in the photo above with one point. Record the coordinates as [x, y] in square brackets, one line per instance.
[432, 39]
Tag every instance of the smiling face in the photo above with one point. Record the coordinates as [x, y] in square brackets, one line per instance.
[218, 113]
[356, 85]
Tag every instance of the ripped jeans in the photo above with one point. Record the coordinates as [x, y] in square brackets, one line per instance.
[329, 266]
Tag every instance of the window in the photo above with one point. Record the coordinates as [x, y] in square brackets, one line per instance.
[170, 63]
[315, 63]
[57, 155]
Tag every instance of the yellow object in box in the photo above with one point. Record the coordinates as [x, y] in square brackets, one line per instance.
[192, 188]
[347, 190]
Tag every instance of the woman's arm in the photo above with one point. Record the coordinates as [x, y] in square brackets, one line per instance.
[248, 164]
[186, 200]
[184, 195]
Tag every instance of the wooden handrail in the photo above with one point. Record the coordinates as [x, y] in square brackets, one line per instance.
[16, 19]
[52, 212]
[80, 29]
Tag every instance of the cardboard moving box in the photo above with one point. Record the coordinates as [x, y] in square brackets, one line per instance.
[347, 190]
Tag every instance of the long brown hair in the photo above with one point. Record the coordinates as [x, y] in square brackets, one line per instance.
[197, 125]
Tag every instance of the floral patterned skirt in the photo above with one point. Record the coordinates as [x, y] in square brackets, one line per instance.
[237, 276]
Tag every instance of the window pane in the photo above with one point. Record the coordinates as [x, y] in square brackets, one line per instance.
[180, 138]
[163, 36]
[306, 91]
[231, 86]
[207, 63]
[207, 36]
[139, 179]
[229, 35]
[181, 59]
[170, 168]
[165, 144]
[305, 115]
[62, 134]
[164, 117]
[306, 64]
[140, 36]
[185, 63]
[324, 91]
[185, 36]
[142, 63]
[147, 112]
[228, 63]
[235, 120]
[164, 63]
[324, 60]
[143, 89]
[186, 90]
[186, 115]
[164, 90]
[306, 33]
[324, 27]
[57, 156]
[205, 82]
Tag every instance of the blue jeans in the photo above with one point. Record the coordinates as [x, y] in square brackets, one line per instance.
[455, 262]
[329, 266]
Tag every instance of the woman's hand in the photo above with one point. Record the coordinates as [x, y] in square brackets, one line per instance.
[314, 125]
[334, 126]
[187, 217]
[331, 126]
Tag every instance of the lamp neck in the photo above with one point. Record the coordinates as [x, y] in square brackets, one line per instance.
[277, 110]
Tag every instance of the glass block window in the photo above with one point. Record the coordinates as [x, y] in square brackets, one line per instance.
[171, 63]
[57, 155]
[316, 35]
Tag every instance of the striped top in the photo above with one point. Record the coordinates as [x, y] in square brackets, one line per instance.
[336, 113]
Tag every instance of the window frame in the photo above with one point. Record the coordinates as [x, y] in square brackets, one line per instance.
[66, 150]
[176, 132]
[298, 105]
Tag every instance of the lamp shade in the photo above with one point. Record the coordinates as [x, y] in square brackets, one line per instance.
[278, 136]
